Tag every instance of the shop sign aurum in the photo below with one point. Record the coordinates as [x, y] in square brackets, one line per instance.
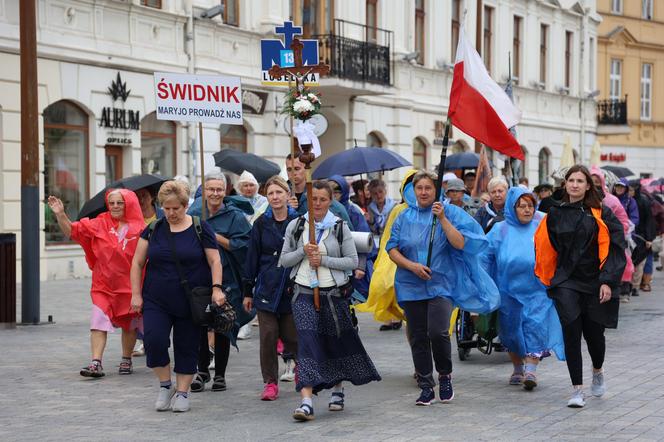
[119, 121]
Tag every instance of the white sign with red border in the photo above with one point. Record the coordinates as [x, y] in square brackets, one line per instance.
[201, 98]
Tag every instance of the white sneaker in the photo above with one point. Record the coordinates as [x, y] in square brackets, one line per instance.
[139, 349]
[598, 387]
[164, 399]
[577, 400]
[289, 372]
[245, 332]
[211, 366]
[180, 404]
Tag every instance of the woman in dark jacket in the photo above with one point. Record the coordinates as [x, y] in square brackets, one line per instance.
[580, 257]
[267, 286]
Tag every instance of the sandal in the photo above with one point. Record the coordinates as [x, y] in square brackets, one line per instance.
[336, 401]
[126, 367]
[530, 381]
[94, 370]
[219, 383]
[516, 378]
[304, 412]
[646, 287]
[198, 384]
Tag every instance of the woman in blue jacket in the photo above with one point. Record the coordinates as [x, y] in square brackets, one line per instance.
[267, 286]
[427, 293]
[529, 323]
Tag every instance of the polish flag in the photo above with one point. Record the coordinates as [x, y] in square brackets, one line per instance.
[478, 106]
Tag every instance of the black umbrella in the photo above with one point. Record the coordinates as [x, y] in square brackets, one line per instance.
[237, 162]
[97, 204]
[621, 172]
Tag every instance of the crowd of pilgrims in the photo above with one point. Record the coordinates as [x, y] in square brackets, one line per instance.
[555, 263]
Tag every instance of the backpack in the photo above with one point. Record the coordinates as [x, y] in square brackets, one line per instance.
[195, 219]
[338, 230]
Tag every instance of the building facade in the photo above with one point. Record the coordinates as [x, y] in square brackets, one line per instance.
[631, 109]
[389, 86]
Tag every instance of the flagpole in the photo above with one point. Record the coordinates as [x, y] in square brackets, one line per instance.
[439, 185]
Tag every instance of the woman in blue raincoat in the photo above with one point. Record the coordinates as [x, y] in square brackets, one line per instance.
[427, 294]
[529, 324]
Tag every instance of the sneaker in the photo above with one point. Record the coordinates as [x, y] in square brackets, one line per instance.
[530, 381]
[126, 367]
[180, 403]
[577, 400]
[211, 364]
[304, 412]
[94, 370]
[336, 401]
[635, 292]
[280, 347]
[427, 397]
[516, 378]
[270, 392]
[139, 349]
[446, 391]
[289, 372]
[219, 383]
[198, 384]
[624, 298]
[598, 387]
[164, 398]
[245, 332]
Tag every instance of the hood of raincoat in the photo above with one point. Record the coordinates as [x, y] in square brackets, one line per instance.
[132, 212]
[594, 170]
[345, 189]
[509, 212]
[407, 191]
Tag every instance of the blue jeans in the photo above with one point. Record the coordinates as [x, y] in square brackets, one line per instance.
[647, 269]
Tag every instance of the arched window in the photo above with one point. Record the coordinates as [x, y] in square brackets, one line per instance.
[158, 146]
[523, 169]
[66, 172]
[419, 153]
[459, 146]
[544, 169]
[373, 140]
[233, 137]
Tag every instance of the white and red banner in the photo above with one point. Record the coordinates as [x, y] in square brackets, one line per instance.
[478, 106]
[202, 98]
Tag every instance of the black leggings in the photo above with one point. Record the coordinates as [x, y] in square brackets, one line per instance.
[222, 350]
[593, 332]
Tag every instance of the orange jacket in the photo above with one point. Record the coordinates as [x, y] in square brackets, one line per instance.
[546, 257]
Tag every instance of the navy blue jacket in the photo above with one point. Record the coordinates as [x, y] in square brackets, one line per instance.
[269, 282]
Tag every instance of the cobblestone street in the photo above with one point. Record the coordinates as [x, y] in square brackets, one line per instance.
[44, 398]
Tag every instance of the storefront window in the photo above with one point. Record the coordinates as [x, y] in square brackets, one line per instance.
[65, 162]
[233, 137]
[158, 144]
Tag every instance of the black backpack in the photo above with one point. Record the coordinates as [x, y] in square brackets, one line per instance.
[195, 219]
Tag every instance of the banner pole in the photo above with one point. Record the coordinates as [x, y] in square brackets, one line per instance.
[203, 201]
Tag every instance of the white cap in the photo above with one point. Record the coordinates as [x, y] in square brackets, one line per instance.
[247, 177]
[449, 176]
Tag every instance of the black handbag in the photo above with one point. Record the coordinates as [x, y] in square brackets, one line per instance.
[199, 297]
[346, 290]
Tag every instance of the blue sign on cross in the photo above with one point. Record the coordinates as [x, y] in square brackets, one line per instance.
[288, 30]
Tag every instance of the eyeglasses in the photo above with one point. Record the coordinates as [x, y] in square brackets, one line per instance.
[116, 203]
[215, 189]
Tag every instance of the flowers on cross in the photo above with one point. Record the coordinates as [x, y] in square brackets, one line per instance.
[301, 105]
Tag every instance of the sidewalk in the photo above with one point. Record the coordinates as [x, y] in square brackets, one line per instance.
[44, 398]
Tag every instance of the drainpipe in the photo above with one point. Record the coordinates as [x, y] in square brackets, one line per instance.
[189, 50]
[582, 85]
[351, 117]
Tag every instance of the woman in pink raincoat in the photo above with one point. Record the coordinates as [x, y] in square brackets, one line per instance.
[109, 242]
[612, 202]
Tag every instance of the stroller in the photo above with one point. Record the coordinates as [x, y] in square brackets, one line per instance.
[475, 331]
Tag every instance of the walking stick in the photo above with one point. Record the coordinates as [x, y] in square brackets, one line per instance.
[307, 157]
[439, 185]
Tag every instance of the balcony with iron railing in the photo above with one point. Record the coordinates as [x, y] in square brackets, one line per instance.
[612, 112]
[366, 60]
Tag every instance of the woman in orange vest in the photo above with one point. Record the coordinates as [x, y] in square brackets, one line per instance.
[580, 257]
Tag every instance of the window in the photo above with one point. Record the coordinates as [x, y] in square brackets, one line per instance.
[233, 137]
[65, 162]
[231, 12]
[544, 39]
[151, 3]
[158, 143]
[647, 9]
[315, 16]
[616, 7]
[373, 140]
[591, 63]
[646, 91]
[615, 79]
[419, 30]
[487, 37]
[516, 47]
[569, 40]
[544, 165]
[419, 154]
[372, 20]
[456, 26]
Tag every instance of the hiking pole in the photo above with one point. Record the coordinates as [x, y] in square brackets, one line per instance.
[439, 185]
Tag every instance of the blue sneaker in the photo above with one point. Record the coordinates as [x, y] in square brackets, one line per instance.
[427, 397]
[446, 391]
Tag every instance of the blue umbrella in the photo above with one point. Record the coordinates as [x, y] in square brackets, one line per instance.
[463, 160]
[360, 160]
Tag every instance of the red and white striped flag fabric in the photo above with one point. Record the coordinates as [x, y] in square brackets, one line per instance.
[478, 106]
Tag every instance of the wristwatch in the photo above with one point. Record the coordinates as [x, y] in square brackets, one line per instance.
[218, 286]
